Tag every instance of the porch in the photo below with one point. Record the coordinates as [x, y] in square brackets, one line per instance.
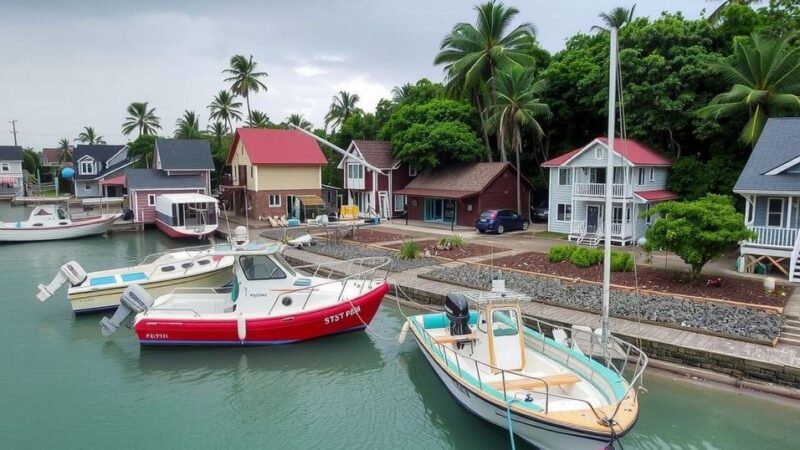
[774, 221]
[587, 223]
[590, 183]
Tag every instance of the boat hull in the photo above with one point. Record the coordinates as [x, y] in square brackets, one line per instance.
[181, 234]
[540, 433]
[107, 299]
[339, 318]
[50, 233]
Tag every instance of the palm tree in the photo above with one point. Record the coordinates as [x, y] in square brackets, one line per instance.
[517, 107]
[616, 18]
[89, 136]
[399, 93]
[716, 15]
[299, 121]
[225, 107]
[765, 78]
[188, 126]
[64, 151]
[140, 118]
[218, 130]
[244, 79]
[343, 106]
[258, 119]
[472, 54]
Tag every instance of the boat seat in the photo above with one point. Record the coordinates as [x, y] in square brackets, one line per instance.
[530, 383]
[451, 339]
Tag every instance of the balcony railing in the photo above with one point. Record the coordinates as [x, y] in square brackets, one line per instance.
[774, 236]
[599, 190]
[355, 183]
[579, 227]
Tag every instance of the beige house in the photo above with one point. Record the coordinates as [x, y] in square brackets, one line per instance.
[273, 173]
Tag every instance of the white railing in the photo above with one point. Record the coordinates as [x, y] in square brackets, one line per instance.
[598, 190]
[621, 230]
[793, 259]
[774, 236]
[577, 227]
[355, 183]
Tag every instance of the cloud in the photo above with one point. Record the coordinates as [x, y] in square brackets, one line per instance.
[369, 91]
[308, 70]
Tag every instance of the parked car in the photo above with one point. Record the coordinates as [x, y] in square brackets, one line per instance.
[540, 211]
[500, 221]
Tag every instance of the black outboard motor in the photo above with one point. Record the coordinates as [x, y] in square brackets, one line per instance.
[127, 214]
[457, 309]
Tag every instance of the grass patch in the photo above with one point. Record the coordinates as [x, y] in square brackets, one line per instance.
[584, 257]
[409, 250]
[551, 235]
[452, 242]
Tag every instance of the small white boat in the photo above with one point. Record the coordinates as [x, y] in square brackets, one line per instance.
[186, 215]
[51, 222]
[160, 273]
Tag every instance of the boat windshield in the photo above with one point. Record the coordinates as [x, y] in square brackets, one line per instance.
[286, 266]
[504, 322]
[260, 267]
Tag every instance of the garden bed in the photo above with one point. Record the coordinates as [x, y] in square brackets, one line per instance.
[467, 251]
[732, 289]
[715, 318]
[369, 236]
[349, 250]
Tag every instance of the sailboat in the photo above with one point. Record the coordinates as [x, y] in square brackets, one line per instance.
[555, 388]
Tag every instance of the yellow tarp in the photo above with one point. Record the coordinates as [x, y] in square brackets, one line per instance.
[348, 212]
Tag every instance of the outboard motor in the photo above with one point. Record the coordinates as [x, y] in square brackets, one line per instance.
[71, 271]
[456, 308]
[127, 214]
[239, 236]
[134, 300]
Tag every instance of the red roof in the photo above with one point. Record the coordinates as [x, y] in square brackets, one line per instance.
[278, 147]
[635, 152]
[656, 196]
[114, 181]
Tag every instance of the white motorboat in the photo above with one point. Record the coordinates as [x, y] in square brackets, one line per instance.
[52, 222]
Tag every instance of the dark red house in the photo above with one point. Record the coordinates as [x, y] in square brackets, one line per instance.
[459, 192]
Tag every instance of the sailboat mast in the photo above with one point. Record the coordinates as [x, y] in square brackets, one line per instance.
[607, 215]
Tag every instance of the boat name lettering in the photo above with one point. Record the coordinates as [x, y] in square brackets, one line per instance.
[258, 294]
[337, 317]
[156, 336]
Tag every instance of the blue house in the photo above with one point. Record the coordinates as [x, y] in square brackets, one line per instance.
[770, 185]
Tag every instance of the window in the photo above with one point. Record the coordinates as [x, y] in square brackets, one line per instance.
[87, 167]
[151, 199]
[641, 177]
[5, 167]
[652, 174]
[252, 171]
[504, 322]
[616, 214]
[412, 170]
[260, 267]
[619, 175]
[774, 212]
[628, 217]
[274, 200]
[355, 171]
[599, 152]
[597, 175]
[399, 202]
[564, 177]
[87, 187]
[649, 219]
[564, 213]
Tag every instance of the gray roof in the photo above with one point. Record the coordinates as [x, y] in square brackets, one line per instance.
[184, 154]
[142, 179]
[779, 143]
[10, 153]
[100, 153]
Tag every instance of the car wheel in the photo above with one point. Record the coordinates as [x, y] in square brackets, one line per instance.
[525, 225]
[481, 231]
[500, 229]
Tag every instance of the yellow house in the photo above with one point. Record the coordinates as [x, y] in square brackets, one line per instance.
[273, 172]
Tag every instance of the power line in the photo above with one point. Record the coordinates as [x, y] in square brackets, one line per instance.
[14, 128]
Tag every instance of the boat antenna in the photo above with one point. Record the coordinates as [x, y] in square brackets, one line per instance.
[612, 96]
[344, 153]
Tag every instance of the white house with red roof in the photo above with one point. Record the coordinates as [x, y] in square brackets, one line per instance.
[273, 173]
[577, 190]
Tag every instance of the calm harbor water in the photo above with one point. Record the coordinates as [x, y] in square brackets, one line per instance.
[63, 385]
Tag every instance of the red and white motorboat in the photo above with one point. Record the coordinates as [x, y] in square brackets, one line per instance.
[186, 215]
[268, 303]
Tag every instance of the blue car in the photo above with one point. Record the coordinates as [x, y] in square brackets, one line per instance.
[500, 221]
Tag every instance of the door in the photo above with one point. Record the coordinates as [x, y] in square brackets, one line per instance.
[383, 204]
[505, 342]
[242, 175]
[592, 218]
[434, 209]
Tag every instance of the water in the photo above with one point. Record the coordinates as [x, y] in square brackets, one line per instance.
[62, 385]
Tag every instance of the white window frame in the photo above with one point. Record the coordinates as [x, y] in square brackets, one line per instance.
[768, 213]
[354, 174]
[5, 167]
[652, 174]
[568, 177]
[566, 214]
[412, 170]
[641, 177]
[274, 204]
[402, 204]
[84, 165]
[151, 199]
[599, 152]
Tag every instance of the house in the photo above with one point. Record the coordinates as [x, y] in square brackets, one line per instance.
[51, 157]
[273, 173]
[180, 166]
[770, 185]
[457, 193]
[96, 163]
[374, 192]
[577, 190]
[12, 179]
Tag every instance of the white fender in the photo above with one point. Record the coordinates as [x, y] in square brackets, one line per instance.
[403, 333]
[241, 327]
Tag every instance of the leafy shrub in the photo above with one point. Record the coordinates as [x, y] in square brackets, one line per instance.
[621, 262]
[586, 257]
[451, 242]
[409, 250]
[560, 253]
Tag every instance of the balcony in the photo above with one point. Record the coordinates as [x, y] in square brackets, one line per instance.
[595, 190]
[355, 183]
[773, 236]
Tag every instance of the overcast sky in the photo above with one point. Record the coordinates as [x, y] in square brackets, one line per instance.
[69, 64]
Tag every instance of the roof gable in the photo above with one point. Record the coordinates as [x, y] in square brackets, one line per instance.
[184, 154]
[377, 153]
[633, 152]
[10, 153]
[277, 147]
[772, 166]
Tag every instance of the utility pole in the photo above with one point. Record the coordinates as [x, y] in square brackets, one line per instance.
[14, 132]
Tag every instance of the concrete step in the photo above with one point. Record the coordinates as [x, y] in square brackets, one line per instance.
[790, 329]
[789, 340]
[790, 334]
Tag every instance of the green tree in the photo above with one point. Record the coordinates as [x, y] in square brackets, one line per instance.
[245, 79]
[258, 119]
[616, 18]
[31, 161]
[224, 107]
[765, 78]
[141, 118]
[343, 106]
[64, 151]
[517, 107]
[299, 120]
[142, 149]
[188, 126]
[217, 131]
[399, 93]
[90, 137]
[697, 231]
[471, 54]
[718, 13]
